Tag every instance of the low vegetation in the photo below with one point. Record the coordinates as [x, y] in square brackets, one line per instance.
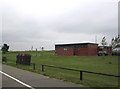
[107, 65]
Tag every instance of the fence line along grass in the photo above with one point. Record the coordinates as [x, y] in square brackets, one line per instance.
[106, 65]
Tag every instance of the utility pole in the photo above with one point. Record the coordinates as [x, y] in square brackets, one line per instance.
[32, 48]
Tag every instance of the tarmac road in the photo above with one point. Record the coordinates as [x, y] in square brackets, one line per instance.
[8, 82]
[30, 78]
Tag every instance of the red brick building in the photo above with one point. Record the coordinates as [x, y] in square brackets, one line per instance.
[78, 49]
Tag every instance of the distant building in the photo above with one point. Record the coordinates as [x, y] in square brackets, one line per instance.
[106, 48]
[77, 49]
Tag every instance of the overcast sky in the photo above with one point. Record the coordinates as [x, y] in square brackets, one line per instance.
[42, 23]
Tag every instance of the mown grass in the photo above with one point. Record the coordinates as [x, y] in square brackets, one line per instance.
[107, 64]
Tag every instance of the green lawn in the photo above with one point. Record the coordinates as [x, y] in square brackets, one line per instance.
[89, 63]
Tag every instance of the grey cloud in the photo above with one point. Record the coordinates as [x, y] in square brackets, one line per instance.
[84, 21]
[99, 21]
[17, 29]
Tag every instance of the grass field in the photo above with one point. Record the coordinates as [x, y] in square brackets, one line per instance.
[89, 63]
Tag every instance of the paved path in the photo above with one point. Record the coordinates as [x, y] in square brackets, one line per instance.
[30, 78]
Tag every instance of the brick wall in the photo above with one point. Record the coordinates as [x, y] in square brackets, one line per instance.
[92, 50]
[81, 51]
[69, 51]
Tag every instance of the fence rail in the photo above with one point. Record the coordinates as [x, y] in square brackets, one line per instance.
[81, 71]
[4, 59]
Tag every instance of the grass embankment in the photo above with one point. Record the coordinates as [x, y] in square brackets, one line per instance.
[89, 63]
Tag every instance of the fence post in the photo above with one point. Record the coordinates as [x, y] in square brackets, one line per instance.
[80, 75]
[6, 60]
[34, 66]
[42, 68]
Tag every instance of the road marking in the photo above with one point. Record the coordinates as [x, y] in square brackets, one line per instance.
[17, 80]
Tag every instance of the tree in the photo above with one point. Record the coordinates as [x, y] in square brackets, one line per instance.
[5, 48]
[115, 42]
[42, 48]
[104, 43]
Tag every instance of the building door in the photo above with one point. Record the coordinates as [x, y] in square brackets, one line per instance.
[75, 51]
